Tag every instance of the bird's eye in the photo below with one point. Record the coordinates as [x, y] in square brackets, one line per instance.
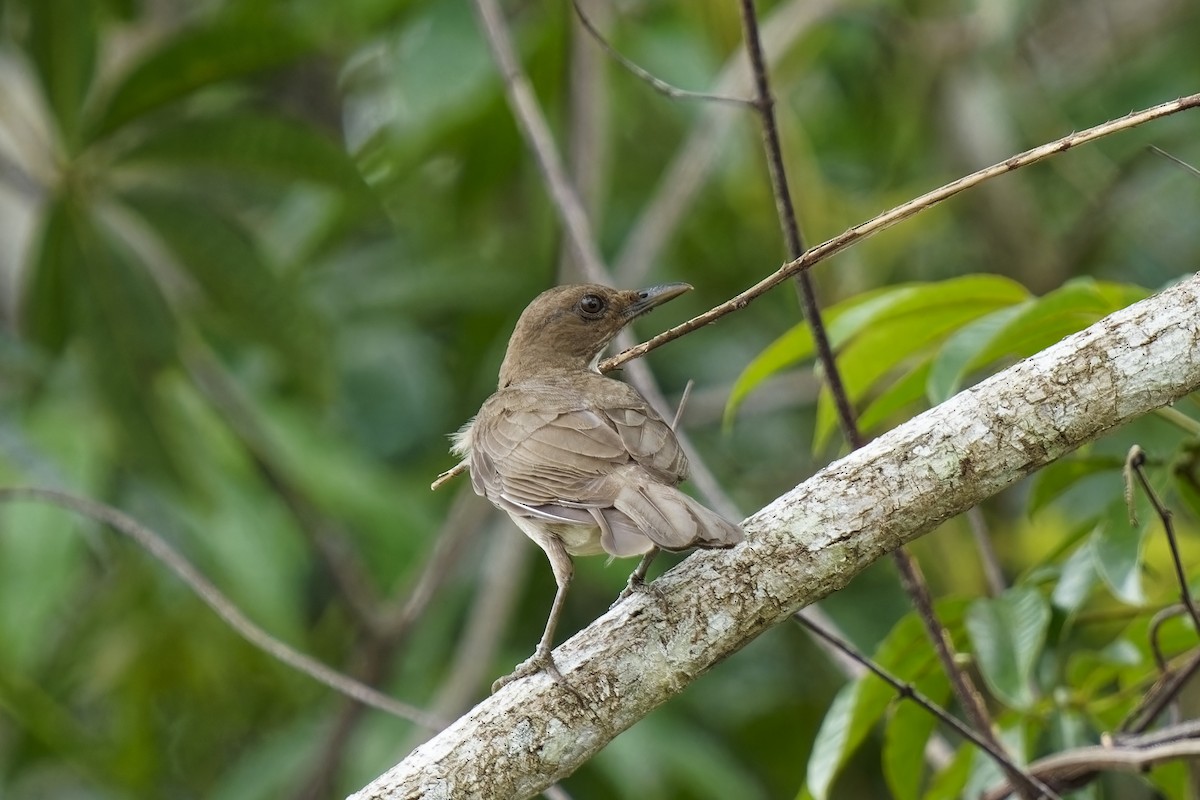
[592, 305]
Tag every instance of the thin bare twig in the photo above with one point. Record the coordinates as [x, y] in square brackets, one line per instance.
[157, 547]
[533, 125]
[326, 537]
[818, 253]
[659, 85]
[992, 572]
[1072, 769]
[1161, 694]
[964, 688]
[907, 691]
[1178, 161]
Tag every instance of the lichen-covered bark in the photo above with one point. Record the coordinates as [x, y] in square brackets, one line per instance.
[806, 544]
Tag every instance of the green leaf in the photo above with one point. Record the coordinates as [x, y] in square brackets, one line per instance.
[62, 42]
[957, 356]
[904, 330]
[797, 343]
[251, 144]
[1075, 580]
[948, 784]
[50, 292]
[906, 735]
[1007, 634]
[231, 271]
[1026, 328]
[876, 331]
[196, 58]
[130, 338]
[1066, 310]
[909, 389]
[1053, 480]
[1116, 548]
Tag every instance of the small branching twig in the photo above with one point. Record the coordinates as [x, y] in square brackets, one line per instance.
[659, 85]
[1161, 695]
[157, 547]
[907, 691]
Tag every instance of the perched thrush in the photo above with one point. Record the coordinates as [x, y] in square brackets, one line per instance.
[581, 462]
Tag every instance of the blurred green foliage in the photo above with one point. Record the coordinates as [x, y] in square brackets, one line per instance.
[257, 258]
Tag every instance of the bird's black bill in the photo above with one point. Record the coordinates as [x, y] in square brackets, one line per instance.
[655, 296]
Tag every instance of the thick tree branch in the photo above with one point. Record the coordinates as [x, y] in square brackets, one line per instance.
[807, 544]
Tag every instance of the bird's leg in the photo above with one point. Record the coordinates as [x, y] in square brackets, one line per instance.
[541, 659]
[637, 578]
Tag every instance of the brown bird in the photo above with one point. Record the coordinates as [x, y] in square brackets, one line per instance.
[581, 462]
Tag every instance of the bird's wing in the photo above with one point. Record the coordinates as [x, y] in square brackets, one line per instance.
[536, 458]
[616, 468]
[649, 441]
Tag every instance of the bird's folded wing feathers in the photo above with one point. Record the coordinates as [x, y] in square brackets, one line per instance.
[617, 467]
[542, 457]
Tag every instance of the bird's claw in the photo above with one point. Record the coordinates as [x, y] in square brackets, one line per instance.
[540, 661]
[636, 585]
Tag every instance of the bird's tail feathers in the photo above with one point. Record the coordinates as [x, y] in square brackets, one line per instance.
[673, 520]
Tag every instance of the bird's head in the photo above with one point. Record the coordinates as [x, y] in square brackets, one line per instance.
[567, 327]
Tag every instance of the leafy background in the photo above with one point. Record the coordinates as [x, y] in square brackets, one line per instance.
[257, 259]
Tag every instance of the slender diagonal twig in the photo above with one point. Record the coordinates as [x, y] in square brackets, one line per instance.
[1178, 161]
[659, 85]
[533, 126]
[325, 536]
[907, 691]
[1072, 769]
[1156, 622]
[157, 547]
[818, 253]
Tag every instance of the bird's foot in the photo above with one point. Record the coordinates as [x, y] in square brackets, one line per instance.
[540, 661]
[636, 585]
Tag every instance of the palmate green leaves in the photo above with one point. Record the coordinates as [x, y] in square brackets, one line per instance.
[94, 289]
[224, 261]
[935, 335]
[62, 41]
[193, 59]
[1007, 635]
[243, 144]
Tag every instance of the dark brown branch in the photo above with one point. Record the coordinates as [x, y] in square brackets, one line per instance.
[786, 212]
[910, 573]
